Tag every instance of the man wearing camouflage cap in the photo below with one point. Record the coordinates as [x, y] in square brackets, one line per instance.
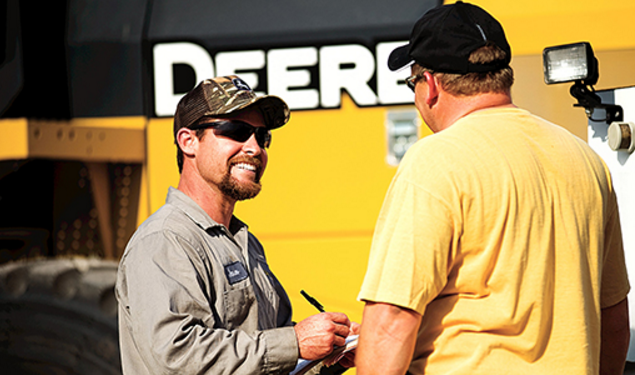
[498, 249]
[195, 292]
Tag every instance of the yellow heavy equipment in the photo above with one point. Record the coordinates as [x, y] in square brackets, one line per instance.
[88, 89]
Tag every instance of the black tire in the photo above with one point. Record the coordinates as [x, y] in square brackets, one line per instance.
[59, 316]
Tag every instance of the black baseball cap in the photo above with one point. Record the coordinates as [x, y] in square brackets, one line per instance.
[444, 37]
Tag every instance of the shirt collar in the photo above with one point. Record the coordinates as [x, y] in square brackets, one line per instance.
[198, 215]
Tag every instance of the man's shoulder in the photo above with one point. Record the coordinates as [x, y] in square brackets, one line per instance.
[167, 221]
[164, 218]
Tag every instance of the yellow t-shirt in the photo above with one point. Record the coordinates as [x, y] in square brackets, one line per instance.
[503, 231]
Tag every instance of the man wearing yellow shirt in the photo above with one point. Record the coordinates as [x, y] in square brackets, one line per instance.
[498, 249]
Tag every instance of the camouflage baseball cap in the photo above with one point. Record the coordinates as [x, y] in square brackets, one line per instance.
[225, 95]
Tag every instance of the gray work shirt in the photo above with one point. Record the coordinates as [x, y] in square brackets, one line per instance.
[197, 298]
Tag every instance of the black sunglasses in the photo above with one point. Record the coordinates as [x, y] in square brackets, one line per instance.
[237, 130]
[411, 81]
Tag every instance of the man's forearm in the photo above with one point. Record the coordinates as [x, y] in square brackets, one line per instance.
[615, 339]
[387, 339]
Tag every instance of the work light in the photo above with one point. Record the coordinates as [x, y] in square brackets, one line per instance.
[569, 63]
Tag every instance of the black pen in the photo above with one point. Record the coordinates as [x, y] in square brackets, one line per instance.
[312, 301]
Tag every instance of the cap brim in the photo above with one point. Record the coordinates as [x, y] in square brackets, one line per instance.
[399, 58]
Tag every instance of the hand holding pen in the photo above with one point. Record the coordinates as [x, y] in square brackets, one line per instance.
[334, 321]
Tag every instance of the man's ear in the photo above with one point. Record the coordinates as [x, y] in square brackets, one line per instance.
[432, 88]
[187, 141]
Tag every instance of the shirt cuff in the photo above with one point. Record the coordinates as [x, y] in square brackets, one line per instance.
[282, 351]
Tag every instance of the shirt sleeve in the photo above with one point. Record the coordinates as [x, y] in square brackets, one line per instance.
[411, 249]
[615, 284]
[167, 311]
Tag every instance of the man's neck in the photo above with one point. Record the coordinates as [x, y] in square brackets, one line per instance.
[458, 107]
[217, 205]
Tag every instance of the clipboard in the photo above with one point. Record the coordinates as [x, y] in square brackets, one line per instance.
[305, 365]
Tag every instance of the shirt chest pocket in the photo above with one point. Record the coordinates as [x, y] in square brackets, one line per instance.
[240, 308]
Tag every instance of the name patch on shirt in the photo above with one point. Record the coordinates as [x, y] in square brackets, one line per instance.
[235, 272]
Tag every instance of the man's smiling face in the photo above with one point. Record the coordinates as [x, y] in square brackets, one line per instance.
[231, 167]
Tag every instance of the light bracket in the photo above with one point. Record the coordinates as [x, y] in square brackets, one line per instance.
[576, 63]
